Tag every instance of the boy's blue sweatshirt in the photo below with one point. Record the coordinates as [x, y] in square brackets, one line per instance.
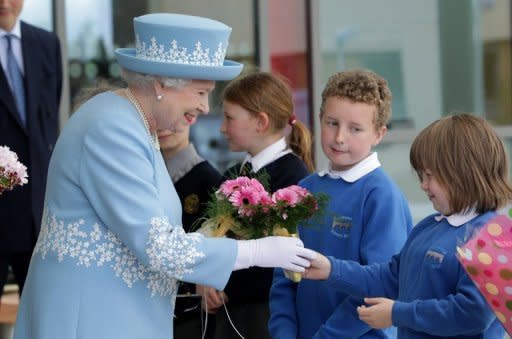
[434, 296]
[366, 221]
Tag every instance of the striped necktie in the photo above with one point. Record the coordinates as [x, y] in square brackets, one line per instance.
[15, 80]
[246, 169]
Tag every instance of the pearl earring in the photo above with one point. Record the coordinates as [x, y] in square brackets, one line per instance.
[159, 97]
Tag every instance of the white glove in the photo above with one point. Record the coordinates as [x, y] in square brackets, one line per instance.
[285, 252]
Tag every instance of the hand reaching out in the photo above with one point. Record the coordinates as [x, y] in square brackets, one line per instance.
[320, 268]
[274, 251]
[212, 299]
[378, 314]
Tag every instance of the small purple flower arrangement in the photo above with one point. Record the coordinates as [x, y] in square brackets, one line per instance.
[12, 172]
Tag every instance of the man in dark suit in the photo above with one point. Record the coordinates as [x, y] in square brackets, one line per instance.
[29, 126]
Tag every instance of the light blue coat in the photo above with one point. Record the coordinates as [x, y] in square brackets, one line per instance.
[111, 246]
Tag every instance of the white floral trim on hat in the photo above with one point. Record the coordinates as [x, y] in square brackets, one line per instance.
[179, 55]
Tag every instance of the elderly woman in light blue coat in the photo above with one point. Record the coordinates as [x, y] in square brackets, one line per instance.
[111, 247]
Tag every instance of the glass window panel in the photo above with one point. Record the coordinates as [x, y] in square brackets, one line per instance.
[439, 57]
[288, 51]
[38, 13]
[497, 59]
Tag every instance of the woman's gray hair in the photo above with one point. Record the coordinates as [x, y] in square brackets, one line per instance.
[145, 81]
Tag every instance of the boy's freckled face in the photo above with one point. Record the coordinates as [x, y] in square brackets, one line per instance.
[348, 132]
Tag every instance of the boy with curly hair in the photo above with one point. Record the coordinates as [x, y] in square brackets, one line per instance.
[367, 219]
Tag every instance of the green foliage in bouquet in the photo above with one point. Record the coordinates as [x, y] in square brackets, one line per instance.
[243, 208]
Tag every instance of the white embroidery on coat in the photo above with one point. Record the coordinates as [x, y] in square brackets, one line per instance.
[179, 55]
[170, 252]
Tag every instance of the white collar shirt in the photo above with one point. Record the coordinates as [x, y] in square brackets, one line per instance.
[355, 173]
[269, 154]
[458, 219]
[16, 47]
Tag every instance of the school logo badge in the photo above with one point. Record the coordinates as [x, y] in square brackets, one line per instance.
[191, 204]
[435, 256]
[341, 226]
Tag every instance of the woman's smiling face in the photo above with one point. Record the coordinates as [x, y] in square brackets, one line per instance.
[180, 107]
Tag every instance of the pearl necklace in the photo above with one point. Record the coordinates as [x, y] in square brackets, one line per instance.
[153, 137]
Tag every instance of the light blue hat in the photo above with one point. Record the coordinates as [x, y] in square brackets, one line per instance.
[179, 46]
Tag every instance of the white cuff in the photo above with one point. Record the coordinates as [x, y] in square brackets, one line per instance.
[244, 255]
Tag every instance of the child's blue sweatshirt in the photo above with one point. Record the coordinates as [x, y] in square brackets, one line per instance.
[366, 221]
[434, 296]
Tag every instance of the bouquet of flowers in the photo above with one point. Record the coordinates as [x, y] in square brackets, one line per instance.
[12, 172]
[244, 209]
[486, 257]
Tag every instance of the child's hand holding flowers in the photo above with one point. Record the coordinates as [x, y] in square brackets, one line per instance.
[243, 208]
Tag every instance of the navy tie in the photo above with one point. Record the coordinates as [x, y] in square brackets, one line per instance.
[15, 80]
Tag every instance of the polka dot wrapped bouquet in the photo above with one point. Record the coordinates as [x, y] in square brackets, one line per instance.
[487, 258]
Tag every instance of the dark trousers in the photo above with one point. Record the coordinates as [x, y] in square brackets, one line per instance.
[19, 263]
[193, 326]
[189, 319]
[251, 320]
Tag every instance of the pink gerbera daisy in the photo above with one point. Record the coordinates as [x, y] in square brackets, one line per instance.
[244, 197]
[289, 196]
[256, 185]
[230, 186]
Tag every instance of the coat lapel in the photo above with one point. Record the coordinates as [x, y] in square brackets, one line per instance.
[34, 69]
[7, 98]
